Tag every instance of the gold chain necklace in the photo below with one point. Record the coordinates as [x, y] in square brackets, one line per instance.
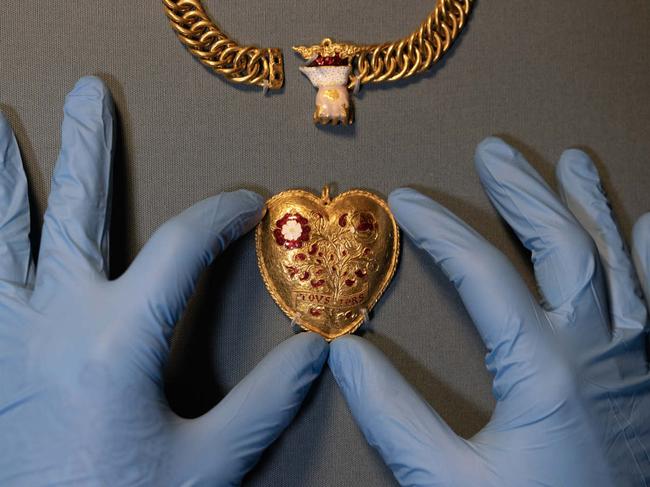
[334, 68]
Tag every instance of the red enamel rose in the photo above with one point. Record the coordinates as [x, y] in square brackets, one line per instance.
[292, 230]
[365, 223]
[365, 226]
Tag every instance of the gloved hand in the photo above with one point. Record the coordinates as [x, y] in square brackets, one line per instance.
[81, 357]
[570, 374]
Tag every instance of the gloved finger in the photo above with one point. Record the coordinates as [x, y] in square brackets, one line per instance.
[74, 242]
[582, 191]
[415, 443]
[565, 258]
[16, 266]
[164, 274]
[221, 446]
[505, 313]
[641, 252]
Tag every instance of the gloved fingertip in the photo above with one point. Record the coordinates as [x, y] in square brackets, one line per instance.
[213, 223]
[345, 345]
[4, 124]
[396, 194]
[90, 86]
[641, 252]
[418, 215]
[246, 206]
[256, 200]
[242, 199]
[490, 150]
[641, 232]
[6, 135]
[253, 203]
[312, 347]
[575, 164]
[402, 196]
[494, 161]
[489, 143]
[9, 154]
[405, 200]
[347, 358]
[90, 103]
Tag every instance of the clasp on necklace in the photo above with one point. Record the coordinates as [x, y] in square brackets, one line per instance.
[276, 69]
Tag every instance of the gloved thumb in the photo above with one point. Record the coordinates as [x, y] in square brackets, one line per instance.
[220, 447]
[416, 444]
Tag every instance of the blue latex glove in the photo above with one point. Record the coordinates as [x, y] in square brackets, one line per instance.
[570, 374]
[81, 357]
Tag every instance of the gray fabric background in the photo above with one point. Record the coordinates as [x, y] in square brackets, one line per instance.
[546, 75]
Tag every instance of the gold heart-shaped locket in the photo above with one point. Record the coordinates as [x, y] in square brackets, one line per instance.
[327, 261]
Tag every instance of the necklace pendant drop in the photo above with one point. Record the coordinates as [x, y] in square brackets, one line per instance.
[328, 67]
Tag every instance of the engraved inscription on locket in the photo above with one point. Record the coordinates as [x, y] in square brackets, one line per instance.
[326, 261]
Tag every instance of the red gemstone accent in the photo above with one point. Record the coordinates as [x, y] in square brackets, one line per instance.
[335, 60]
[360, 273]
[304, 276]
[301, 256]
[313, 249]
[314, 312]
[292, 244]
[350, 282]
[277, 233]
[366, 222]
[283, 220]
[304, 230]
[317, 283]
[343, 219]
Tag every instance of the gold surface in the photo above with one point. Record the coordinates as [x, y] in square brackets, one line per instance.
[326, 260]
[376, 63]
[328, 48]
[347, 117]
[331, 94]
[416, 53]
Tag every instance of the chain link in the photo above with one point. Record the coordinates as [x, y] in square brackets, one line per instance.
[264, 66]
[212, 47]
[417, 52]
